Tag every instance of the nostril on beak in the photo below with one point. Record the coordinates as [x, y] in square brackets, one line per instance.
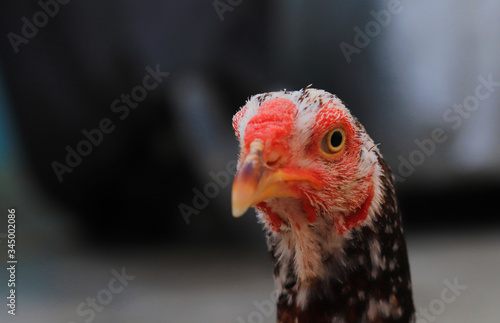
[273, 159]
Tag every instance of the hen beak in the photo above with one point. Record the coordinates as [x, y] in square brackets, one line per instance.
[256, 181]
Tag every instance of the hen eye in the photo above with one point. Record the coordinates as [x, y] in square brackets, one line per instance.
[334, 141]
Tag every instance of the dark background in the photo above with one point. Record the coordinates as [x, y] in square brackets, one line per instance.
[121, 203]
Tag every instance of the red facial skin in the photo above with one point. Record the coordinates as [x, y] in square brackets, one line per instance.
[274, 125]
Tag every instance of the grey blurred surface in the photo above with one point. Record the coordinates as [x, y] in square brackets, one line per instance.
[210, 283]
[434, 55]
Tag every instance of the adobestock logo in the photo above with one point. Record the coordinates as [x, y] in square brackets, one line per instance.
[437, 306]
[93, 305]
[40, 19]
[373, 28]
[201, 199]
[94, 137]
[221, 7]
[265, 308]
[455, 116]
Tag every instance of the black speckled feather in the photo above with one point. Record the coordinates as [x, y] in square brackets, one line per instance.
[348, 299]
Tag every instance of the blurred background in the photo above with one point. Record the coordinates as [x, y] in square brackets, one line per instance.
[155, 85]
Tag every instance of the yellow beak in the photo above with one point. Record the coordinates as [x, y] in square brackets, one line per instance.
[255, 181]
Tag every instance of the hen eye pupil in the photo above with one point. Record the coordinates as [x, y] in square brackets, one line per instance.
[336, 139]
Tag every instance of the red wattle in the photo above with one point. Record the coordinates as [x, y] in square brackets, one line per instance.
[310, 211]
[275, 219]
[344, 224]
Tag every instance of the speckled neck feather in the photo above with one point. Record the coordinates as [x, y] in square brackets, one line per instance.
[366, 276]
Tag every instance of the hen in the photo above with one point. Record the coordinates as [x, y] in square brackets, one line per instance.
[326, 199]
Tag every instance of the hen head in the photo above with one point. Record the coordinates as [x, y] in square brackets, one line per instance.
[304, 161]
